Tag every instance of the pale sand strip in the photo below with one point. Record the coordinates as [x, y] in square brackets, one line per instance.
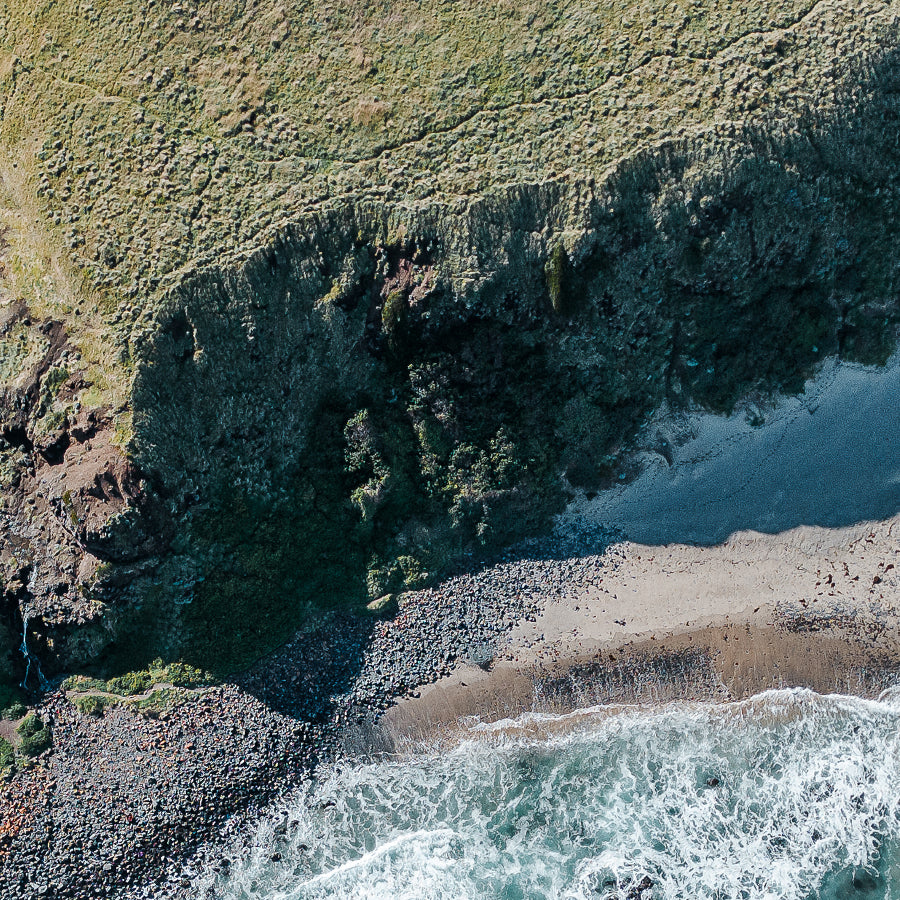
[806, 605]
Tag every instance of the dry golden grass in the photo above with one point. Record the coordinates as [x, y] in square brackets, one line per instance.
[370, 112]
[150, 138]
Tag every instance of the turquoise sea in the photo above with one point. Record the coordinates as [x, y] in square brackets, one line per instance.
[787, 796]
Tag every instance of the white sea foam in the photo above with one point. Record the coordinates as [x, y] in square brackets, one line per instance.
[788, 796]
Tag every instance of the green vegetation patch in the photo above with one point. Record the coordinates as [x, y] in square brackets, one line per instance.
[12, 704]
[96, 695]
[83, 683]
[14, 711]
[36, 736]
[130, 683]
[557, 274]
[158, 701]
[7, 757]
[20, 348]
[93, 704]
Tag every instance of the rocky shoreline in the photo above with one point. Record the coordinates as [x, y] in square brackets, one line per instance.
[122, 798]
[121, 801]
[293, 312]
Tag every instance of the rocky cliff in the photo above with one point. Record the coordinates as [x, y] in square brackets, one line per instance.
[303, 302]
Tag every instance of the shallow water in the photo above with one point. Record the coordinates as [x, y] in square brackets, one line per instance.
[787, 795]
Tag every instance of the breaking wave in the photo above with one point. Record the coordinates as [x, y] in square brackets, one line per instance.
[787, 796]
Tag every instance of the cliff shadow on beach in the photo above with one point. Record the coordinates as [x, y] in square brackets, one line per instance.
[828, 457]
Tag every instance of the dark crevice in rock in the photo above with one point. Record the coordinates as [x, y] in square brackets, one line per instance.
[17, 436]
[54, 451]
[12, 599]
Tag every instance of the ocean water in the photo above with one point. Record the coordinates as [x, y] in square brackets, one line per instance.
[787, 796]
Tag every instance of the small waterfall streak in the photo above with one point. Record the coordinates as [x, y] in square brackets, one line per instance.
[29, 660]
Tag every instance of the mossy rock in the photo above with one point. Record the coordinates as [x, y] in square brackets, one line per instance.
[384, 607]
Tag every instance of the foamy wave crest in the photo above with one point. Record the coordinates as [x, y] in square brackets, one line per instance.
[788, 796]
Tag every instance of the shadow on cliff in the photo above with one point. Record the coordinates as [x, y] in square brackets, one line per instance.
[710, 272]
[814, 215]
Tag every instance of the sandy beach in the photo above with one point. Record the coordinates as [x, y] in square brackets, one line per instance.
[764, 544]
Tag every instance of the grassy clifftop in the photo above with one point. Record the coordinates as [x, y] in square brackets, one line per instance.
[157, 136]
[299, 301]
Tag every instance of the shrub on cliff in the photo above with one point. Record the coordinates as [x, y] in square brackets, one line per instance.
[36, 736]
[178, 674]
[92, 705]
[11, 701]
[7, 757]
[394, 315]
[556, 271]
[130, 683]
[14, 711]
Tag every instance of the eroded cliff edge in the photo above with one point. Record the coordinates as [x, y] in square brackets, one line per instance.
[382, 338]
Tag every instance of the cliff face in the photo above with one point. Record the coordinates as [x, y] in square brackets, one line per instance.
[288, 327]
